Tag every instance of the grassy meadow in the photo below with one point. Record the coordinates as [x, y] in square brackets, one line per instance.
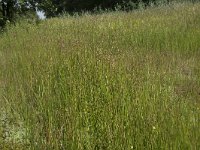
[110, 81]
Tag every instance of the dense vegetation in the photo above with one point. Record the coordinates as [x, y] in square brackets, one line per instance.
[11, 10]
[55, 8]
[111, 81]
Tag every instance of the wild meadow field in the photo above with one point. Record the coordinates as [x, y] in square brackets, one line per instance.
[110, 81]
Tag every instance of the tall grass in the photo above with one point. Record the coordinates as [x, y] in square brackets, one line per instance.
[110, 81]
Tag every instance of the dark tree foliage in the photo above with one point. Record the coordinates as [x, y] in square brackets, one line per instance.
[7, 9]
[10, 9]
[55, 7]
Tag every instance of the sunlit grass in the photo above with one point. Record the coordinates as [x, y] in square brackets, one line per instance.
[111, 81]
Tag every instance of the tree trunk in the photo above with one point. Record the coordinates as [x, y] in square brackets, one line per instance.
[3, 9]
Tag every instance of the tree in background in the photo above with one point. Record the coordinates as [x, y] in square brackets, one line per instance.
[6, 11]
[56, 7]
[10, 10]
